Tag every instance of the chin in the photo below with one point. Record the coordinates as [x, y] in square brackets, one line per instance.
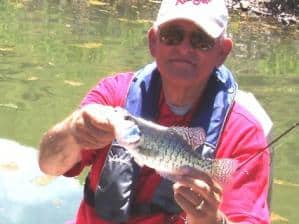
[182, 81]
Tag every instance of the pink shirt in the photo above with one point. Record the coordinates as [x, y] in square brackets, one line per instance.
[244, 199]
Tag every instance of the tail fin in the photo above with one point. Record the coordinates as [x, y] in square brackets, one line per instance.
[222, 169]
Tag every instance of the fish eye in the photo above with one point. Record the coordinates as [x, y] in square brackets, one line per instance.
[127, 117]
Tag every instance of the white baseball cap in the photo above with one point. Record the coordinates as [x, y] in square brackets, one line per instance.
[210, 15]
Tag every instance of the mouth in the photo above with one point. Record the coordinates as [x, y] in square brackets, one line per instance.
[182, 61]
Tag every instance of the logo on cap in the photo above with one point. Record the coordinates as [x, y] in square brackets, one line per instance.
[195, 2]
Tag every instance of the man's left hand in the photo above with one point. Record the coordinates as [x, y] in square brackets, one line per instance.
[199, 196]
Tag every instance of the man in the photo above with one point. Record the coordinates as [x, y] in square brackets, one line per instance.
[186, 86]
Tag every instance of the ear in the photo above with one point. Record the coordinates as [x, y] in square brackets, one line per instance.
[225, 49]
[152, 41]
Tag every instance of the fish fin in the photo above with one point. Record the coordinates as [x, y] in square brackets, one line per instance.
[223, 169]
[195, 136]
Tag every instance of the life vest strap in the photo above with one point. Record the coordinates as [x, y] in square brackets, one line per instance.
[146, 209]
[88, 193]
[138, 209]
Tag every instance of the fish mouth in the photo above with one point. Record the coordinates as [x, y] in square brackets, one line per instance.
[129, 134]
[133, 135]
[127, 131]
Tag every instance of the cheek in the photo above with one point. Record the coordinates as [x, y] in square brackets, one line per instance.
[161, 52]
[208, 61]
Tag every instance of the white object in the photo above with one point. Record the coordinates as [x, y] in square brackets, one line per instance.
[210, 15]
[27, 195]
[248, 100]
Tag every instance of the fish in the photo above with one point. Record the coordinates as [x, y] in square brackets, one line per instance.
[167, 149]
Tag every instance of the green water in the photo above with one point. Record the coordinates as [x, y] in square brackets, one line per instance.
[53, 51]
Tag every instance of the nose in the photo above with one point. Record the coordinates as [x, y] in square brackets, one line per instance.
[185, 45]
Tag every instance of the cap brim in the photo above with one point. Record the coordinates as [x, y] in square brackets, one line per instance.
[206, 25]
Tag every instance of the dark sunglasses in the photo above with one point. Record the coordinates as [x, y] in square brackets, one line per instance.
[174, 35]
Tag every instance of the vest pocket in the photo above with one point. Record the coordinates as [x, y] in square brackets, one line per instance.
[114, 193]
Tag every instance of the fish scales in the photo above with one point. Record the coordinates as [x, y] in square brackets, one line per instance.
[173, 149]
[165, 149]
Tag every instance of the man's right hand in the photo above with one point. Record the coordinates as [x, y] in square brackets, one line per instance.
[90, 126]
[87, 128]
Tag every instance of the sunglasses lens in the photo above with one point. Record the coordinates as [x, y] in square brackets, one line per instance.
[201, 41]
[171, 35]
[174, 35]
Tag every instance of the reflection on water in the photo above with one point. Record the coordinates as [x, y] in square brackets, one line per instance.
[29, 196]
[53, 51]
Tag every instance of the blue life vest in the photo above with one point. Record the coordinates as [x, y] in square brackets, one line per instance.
[113, 199]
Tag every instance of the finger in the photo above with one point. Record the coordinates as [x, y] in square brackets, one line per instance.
[84, 139]
[98, 120]
[86, 144]
[188, 194]
[197, 174]
[88, 136]
[195, 199]
[103, 132]
[202, 210]
[187, 206]
[93, 142]
[203, 189]
[98, 114]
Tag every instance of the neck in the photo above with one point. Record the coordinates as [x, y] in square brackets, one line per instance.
[182, 97]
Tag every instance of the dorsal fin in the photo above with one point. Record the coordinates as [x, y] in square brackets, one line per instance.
[195, 136]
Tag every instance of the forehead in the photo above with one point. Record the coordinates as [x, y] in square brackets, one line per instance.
[186, 24]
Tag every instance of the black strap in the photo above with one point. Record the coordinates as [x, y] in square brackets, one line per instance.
[88, 193]
[140, 209]
[146, 209]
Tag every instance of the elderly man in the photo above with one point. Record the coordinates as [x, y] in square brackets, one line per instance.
[187, 85]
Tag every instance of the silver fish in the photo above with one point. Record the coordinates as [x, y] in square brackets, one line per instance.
[167, 149]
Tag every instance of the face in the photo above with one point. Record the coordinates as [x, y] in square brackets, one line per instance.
[185, 55]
